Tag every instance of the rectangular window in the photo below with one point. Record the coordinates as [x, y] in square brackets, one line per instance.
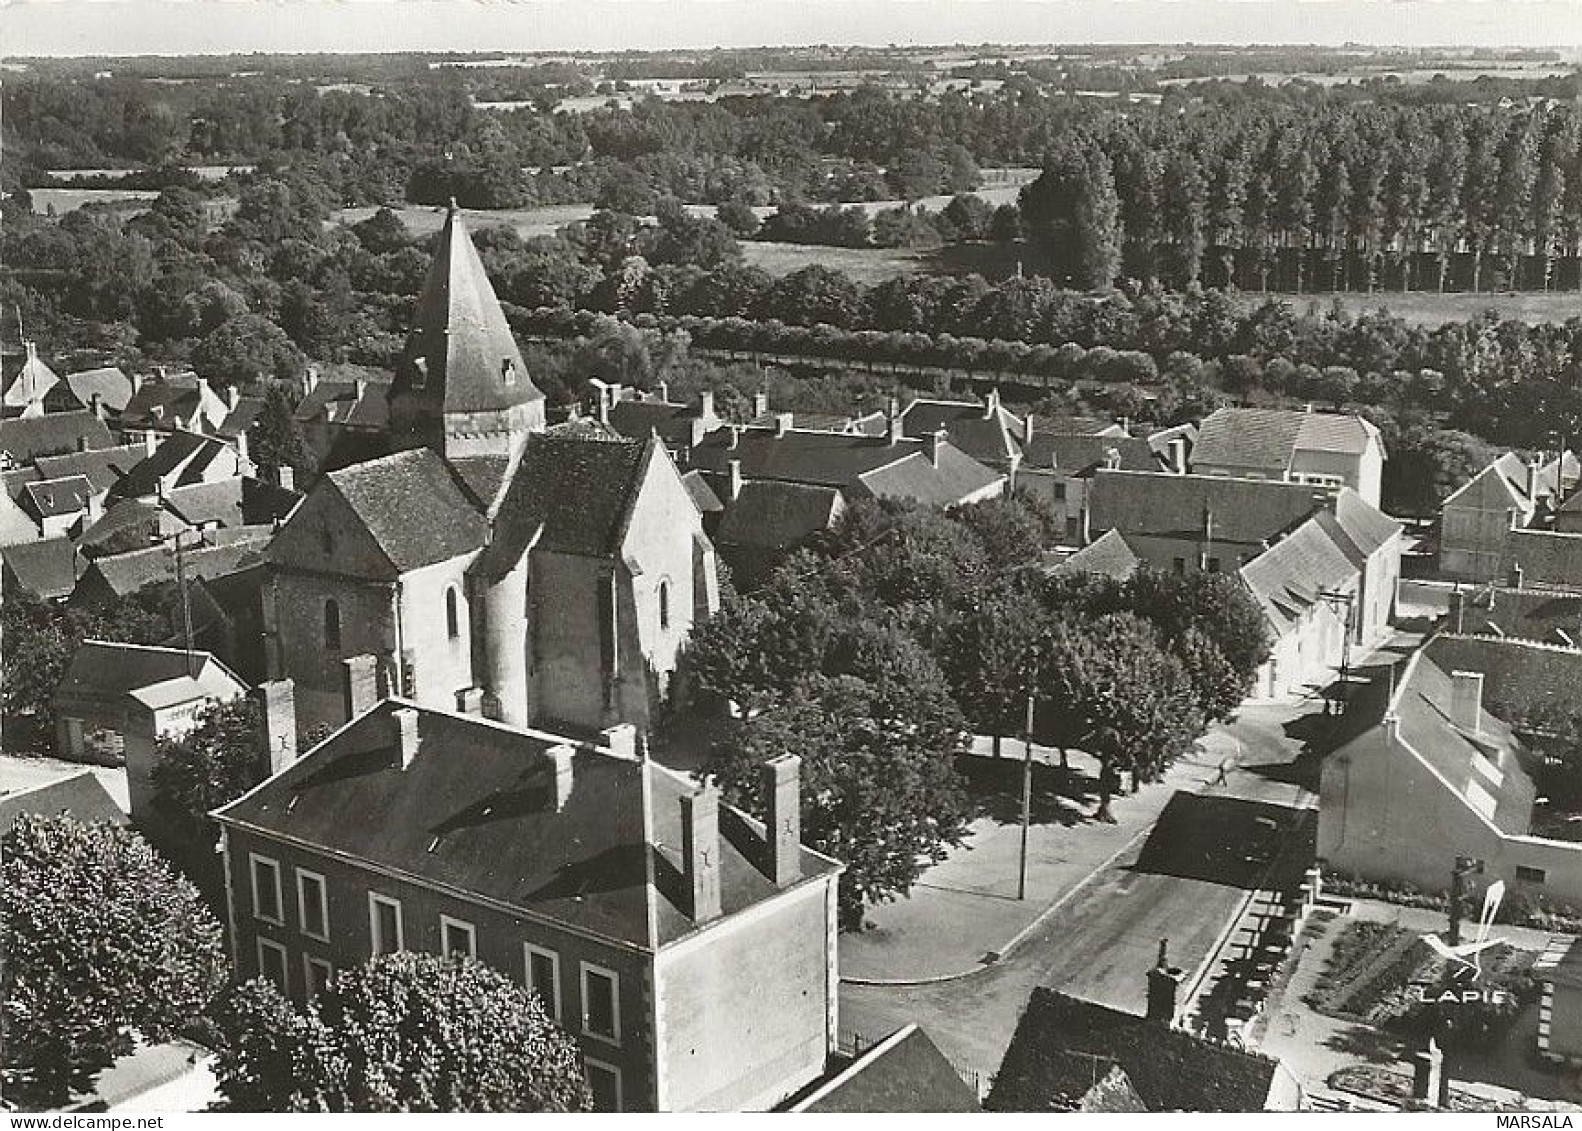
[601, 1003]
[313, 908]
[457, 936]
[543, 976]
[316, 974]
[1213, 565]
[604, 1081]
[272, 963]
[1531, 875]
[1180, 565]
[266, 889]
[384, 924]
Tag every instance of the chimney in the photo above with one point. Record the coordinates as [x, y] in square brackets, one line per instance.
[706, 405]
[892, 424]
[700, 852]
[700, 429]
[311, 381]
[621, 740]
[935, 443]
[286, 475]
[277, 701]
[233, 397]
[1164, 987]
[664, 392]
[761, 403]
[242, 457]
[469, 701]
[406, 734]
[159, 373]
[782, 423]
[783, 818]
[991, 404]
[736, 437]
[1392, 727]
[360, 389]
[560, 758]
[736, 479]
[1466, 700]
[1178, 454]
[96, 404]
[604, 404]
[82, 443]
[1513, 578]
[1535, 470]
[1027, 429]
[95, 508]
[150, 442]
[137, 382]
[359, 684]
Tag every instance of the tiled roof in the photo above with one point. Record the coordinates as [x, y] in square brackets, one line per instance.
[703, 495]
[158, 401]
[124, 574]
[1268, 438]
[460, 340]
[1289, 577]
[32, 381]
[829, 459]
[770, 515]
[1547, 558]
[54, 498]
[475, 811]
[26, 438]
[1549, 616]
[102, 669]
[985, 432]
[637, 420]
[1107, 554]
[904, 1072]
[412, 505]
[1364, 524]
[1500, 485]
[579, 492]
[1171, 1069]
[81, 795]
[240, 418]
[1245, 511]
[113, 386]
[957, 479]
[104, 467]
[1078, 454]
[187, 452]
[347, 404]
[47, 569]
[125, 526]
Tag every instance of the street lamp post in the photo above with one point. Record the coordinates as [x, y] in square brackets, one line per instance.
[1027, 799]
[1336, 598]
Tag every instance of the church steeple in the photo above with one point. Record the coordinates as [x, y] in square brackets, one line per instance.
[461, 386]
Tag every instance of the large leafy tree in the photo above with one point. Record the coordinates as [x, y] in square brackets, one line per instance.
[404, 1032]
[1198, 611]
[214, 763]
[247, 349]
[102, 941]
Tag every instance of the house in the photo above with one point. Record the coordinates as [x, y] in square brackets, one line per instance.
[1321, 563]
[1559, 971]
[171, 402]
[1320, 448]
[117, 701]
[987, 432]
[637, 415]
[77, 794]
[550, 574]
[1060, 466]
[1551, 616]
[1108, 554]
[344, 421]
[1433, 774]
[1542, 559]
[104, 388]
[1073, 1055]
[902, 1073]
[1511, 493]
[34, 389]
[46, 569]
[182, 459]
[24, 439]
[688, 948]
[57, 505]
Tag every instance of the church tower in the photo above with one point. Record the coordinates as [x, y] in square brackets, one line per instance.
[461, 387]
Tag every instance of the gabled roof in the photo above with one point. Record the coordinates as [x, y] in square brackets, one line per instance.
[347, 404]
[104, 467]
[985, 432]
[124, 574]
[80, 795]
[412, 505]
[1269, 438]
[904, 1072]
[154, 676]
[1107, 554]
[1548, 558]
[26, 438]
[460, 343]
[31, 383]
[1245, 511]
[1171, 1070]
[240, 418]
[1502, 484]
[185, 455]
[828, 459]
[475, 811]
[958, 478]
[1078, 454]
[768, 515]
[703, 496]
[158, 401]
[573, 495]
[47, 569]
[55, 498]
[1365, 525]
[638, 419]
[1290, 577]
[113, 387]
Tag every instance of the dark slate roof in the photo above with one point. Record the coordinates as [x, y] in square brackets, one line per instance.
[902, 1073]
[474, 811]
[579, 491]
[984, 431]
[1107, 554]
[768, 515]
[483, 476]
[1269, 437]
[957, 479]
[80, 795]
[703, 496]
[1171, 1070]
[113, 386]
[1526, 614]
[638, 419]
[25, 438]
[1247, 511]
[124, 574]
[348, 404]
[1547, 558]
[459, 336]
[52, 498]
[828, 459]
[159, 400]
[240, 418]
[1288, 578]
[47, 569]
[125, 526]
[413, 507]
[1079, 454]
[108, 668]
[188, 451]
[104, 467]
[1079, 1081]
[1071, 425]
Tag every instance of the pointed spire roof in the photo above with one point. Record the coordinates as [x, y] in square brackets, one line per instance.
[460, 354]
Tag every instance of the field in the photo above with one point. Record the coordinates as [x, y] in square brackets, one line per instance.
[867, 265]
[58, 202]
[528, 222]
[1427, 308]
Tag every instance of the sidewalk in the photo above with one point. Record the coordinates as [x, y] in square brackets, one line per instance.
[965, 907]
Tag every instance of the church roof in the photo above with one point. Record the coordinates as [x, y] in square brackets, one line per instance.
[413, 507]
[460, 348]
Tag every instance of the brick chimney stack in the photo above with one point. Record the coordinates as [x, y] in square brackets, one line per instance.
[560, 759]
[735, 466]
[277, 700]
[359, 684]
[782, 784]
[761, 403]
[407, 734]
[1164, 987]
[700, 852]
[1027, 429]
[892, 424]
[621, 740]
[935, 443]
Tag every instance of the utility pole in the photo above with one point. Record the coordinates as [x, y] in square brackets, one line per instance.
[186, 605]
[1027, 799]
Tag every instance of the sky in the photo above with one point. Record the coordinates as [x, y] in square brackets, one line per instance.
[173, 27]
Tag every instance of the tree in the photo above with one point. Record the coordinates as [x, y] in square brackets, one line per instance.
[739, 217]
[277, 439]
[220, 759]
[988, 656]
[245, 350]
[970, 216]
[404, 1032]
[102, 941]
[1215, 605]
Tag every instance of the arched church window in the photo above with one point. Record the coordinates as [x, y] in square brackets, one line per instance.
[664, 604]
[452, 618]
[332, 626]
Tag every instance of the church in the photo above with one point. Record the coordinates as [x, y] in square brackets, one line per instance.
[539, 576]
